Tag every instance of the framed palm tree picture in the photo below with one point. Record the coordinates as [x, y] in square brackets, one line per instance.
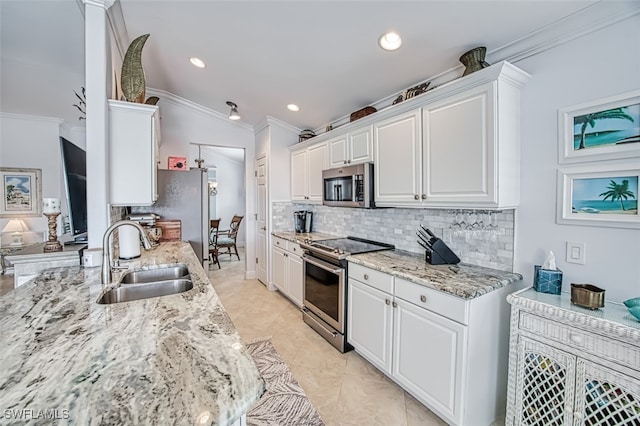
[601, 195]
[607, 129]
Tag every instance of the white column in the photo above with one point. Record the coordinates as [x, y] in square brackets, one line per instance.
[97, 54]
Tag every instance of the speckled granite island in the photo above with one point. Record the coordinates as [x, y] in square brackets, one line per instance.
[461, 280]
[167, 360]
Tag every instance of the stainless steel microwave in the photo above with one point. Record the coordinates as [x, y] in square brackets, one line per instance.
[349, 186]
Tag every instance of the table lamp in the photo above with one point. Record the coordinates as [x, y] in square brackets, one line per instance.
[17, 227]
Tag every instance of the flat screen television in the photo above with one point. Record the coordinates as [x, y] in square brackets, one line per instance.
[74, 166]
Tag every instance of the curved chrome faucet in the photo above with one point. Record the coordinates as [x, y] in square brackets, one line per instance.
[106, 252]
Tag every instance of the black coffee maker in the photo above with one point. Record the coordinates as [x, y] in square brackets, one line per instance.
[302, 221]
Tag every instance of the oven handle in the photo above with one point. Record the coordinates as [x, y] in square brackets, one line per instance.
[323, 265]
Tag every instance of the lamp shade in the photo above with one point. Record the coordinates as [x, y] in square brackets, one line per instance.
[15, 225]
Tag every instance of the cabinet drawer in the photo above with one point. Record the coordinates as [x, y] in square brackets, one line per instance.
[376, 279]
[580, 340]
[279, 242]
[294, 248]
[436, 301]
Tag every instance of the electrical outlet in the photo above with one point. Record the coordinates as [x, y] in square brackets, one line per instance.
[92, 258]
[575, 253]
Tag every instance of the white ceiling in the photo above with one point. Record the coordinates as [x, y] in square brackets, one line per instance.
[262, 55]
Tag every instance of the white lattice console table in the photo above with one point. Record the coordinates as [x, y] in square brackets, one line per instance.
[572, 366]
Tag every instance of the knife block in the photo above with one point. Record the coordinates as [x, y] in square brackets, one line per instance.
[441, 254]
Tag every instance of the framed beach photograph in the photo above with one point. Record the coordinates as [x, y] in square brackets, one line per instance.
[21, 192]
[604, 195]
[607, 129]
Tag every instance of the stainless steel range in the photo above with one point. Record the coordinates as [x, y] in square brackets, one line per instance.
[325, 285]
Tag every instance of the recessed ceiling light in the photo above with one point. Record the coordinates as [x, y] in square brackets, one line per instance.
[390, 41]
[197, 62]
[293, 107]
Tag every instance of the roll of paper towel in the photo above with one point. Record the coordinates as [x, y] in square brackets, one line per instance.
[129, 238]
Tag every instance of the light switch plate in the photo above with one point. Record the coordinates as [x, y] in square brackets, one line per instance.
[575, 253]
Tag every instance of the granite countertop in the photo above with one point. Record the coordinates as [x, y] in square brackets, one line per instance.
[167, 360]
[297, 237]
[462, 280]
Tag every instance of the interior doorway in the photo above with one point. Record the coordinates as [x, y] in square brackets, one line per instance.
[227, 189]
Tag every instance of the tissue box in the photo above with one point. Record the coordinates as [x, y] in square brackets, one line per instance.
[547, 280]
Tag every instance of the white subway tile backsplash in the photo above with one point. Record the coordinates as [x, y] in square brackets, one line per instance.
[476, 242]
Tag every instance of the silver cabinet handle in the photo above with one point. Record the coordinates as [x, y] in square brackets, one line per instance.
[423, 298]
[424, 197]
[394, 304]
[416, 197]
[264, 228]
[387, 301]
[366, 277]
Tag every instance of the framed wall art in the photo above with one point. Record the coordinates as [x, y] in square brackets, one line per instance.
[601, 195]
[21, 192]
[607, 129]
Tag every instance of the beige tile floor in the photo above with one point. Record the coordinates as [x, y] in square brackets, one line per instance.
[345, 388]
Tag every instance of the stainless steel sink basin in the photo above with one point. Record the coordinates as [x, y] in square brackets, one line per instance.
[145, 291]
[170, 272]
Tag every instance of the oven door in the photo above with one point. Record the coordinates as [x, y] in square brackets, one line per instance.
[324, 291]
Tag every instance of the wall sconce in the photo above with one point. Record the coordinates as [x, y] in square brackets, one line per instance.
[233, 114]
[17, 227]
[213, 189]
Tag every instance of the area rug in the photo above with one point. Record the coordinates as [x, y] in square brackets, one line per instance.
[284, 403]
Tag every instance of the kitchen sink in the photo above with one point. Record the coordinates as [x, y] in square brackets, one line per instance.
[145, 291]
[170, 272]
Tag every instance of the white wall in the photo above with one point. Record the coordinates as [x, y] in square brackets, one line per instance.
[601, 64]
[183, 123]
[34, 143]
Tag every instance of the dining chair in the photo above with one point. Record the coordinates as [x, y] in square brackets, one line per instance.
[227, 238]
[214, 229]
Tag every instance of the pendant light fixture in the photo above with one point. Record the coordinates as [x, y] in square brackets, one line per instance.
[233, 114]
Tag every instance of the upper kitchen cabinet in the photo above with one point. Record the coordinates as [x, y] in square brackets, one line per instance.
[133, 153]
[351, 148]
[460, 149]
[307, 165]
[397, 149]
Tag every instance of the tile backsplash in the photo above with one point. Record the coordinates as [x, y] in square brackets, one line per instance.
[478, 237]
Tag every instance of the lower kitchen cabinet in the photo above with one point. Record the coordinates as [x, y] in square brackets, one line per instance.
[571, 366]
[287, 273]
[449, 353]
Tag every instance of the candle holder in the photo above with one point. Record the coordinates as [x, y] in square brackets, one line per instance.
[53, 244]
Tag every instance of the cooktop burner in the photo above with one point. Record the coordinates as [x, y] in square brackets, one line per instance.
[343, 247]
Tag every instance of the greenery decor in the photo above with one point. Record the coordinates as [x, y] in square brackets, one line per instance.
[82, 104]
[132, 78]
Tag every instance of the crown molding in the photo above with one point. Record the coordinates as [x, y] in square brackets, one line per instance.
[105, 4]
[54, 120]
[185, 103]
[269, 120]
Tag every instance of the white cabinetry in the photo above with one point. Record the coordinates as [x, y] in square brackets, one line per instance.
[133, 153]
[570, 366]
[287, 269]
[397, 153]
[446, 351]
[306, 173]
[351, 148]
[460, 149]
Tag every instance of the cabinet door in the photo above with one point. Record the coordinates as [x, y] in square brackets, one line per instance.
[544, 385]
[296, 278]
[299, 175]
[132, 153]
[459, 150]
[338, 152]
[360, 145]
[605, 396]
[397, 152]
[428, 353]
[279, 269]
[369, 319]
[317, 163]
